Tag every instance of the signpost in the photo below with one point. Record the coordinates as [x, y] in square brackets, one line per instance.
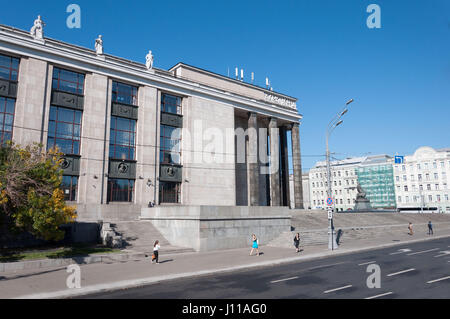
[399, 159]
[330, 202]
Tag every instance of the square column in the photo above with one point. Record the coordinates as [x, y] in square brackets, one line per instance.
[285, 194]
[274, 163]
[297, 162]
[252, 160]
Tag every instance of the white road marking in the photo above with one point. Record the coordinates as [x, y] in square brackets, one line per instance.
[341, 288]
[401, 272]
[274, 282]
[382, 295]
[329, 265]
[401, 251]
[443, 253]
[367, 263]
[424, 251]
[436, 280]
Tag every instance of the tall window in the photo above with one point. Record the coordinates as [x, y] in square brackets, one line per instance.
[68, 81]
[64, 126]
[69, 186]
[124, 93]
[171, 104]
[120, 190]
[122, 145]
[7, 107]
[122, 139]
[64, 130]
[169, 192]
[170, 145]
[9, 68]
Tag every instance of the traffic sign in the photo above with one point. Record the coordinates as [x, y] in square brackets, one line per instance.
[330, 214]
[399, 159]
[330, 201]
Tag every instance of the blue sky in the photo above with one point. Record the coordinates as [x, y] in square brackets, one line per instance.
[319, 51]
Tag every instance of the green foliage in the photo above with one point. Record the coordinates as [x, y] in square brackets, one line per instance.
[30, 195]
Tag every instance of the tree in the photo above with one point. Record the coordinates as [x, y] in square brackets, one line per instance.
[31, 198]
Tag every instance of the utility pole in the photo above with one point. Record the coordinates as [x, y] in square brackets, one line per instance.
[332, 245]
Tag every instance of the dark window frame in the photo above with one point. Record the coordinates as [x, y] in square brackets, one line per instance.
[169, 196]
[73, 123]
[73, 188]
[113, 139]
[113, 191]
[165, 150]
[117, 92]
[11, 69]
[57, 77]
[4, 113]
[165, 104]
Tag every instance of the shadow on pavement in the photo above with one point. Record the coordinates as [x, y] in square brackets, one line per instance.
[31, 275]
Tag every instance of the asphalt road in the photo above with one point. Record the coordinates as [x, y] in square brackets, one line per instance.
[419, 270]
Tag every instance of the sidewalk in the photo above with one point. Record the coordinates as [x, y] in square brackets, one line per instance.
[51, 282]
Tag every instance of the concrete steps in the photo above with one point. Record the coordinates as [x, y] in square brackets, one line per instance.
[313, 226]
[141, 235]
[286, 240]
[318, 219]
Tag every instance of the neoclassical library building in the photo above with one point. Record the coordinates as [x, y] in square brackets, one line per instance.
[135, 136]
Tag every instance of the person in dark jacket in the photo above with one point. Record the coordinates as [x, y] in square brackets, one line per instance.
[430, 228]
[297, 242]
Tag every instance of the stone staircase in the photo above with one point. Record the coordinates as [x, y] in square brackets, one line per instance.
[139, 236]
[286, 240]
[313, 226]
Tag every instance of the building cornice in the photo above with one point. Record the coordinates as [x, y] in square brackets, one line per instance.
[222, 77]
[21, 43]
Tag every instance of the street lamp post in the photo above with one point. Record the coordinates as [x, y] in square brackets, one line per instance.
[335, 122]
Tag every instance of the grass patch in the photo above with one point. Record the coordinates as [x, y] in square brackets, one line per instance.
[55, 253]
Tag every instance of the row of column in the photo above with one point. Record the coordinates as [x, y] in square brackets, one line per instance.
[279, 193]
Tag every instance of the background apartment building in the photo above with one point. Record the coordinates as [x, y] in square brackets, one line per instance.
[421, 181]
[373, 173]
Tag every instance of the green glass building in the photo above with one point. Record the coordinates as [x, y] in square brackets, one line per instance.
[376, 177]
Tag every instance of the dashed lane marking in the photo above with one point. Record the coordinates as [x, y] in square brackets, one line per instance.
[401, 272]
[337, 289]
[325, 266]
[276, 281]
[423, 252]
[382, 295]
[443, 253]
[401, 251]
[436, 280]
[367, 263]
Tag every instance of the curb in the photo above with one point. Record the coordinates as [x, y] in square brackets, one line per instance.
[129, 284]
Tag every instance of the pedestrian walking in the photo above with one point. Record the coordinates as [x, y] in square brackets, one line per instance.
[297, 242]
[410, 228]
[255, 245]
[430, 228]
[156, 248]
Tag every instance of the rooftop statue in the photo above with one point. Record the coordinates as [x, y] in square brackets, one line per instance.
[99, 45]
[149, 60]
[37, 31]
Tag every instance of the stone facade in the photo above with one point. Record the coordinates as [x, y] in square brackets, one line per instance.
[211, 108]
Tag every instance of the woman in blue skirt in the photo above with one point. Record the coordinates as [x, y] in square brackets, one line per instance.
[255, 245]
